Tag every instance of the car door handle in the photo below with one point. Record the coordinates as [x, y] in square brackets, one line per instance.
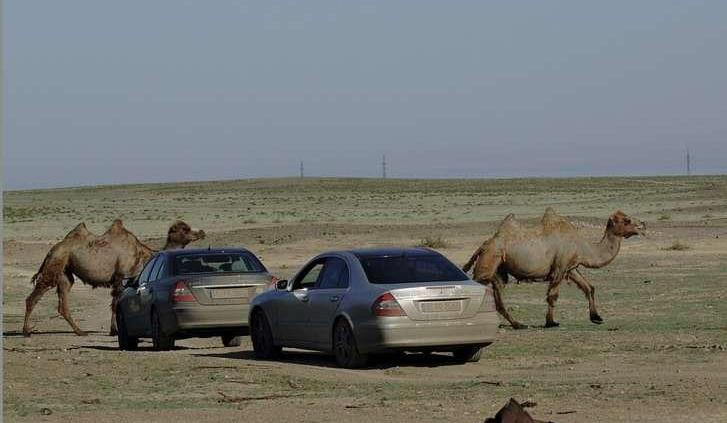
[334, 298]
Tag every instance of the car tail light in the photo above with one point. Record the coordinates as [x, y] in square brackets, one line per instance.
[386, 305]
[488, 301]
[182, 294]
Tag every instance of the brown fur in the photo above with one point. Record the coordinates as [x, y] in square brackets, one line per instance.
[551, 251]
[513, 412]
[98, 261]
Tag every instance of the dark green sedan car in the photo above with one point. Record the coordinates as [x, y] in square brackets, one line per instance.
[190, 293]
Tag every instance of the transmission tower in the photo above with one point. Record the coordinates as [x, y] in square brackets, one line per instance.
[302, 174]
[383, 166]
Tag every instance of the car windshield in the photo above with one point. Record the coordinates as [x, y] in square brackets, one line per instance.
[217, 263]
[410, 269]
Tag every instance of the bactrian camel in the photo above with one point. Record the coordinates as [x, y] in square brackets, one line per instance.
[99, 261]
[551, 251]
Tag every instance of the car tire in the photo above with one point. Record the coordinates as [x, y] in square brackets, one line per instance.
[231, 340]
[468, 354]
[262, 337]
[345, 348]
[126, 342]
[161, 341]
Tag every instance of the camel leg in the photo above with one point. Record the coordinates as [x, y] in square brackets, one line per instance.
[553, 292]
[40, 288]
[64, 288]
[589, 292]
[497, 288]
[116, 290]
[486, 271]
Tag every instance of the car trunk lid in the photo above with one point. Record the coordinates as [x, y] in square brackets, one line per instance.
[439, 301]
[236, 288]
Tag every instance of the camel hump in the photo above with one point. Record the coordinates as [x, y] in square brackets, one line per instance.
[549, 211]
[508, 223]
[117, 228]
[79, 232]
[552, 221]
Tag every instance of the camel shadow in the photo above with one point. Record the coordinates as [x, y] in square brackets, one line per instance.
[319, 359]
[145, 348]
[19, 333]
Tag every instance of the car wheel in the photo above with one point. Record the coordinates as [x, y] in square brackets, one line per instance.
[231, 340]
[344, 347]
[262, 337]
[160, 341]
[126, 342]
[468, 354]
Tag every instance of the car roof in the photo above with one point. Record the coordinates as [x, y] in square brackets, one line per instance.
[203, 251]
[363, 253]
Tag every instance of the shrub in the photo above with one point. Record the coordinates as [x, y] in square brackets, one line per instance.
[677, 246]
[433, 242]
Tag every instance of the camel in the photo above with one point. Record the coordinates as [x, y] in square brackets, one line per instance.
[551, 251]
[99, 261]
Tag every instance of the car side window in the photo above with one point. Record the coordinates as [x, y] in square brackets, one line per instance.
[309, 278]
[335, 274]
[144, 276]
[157, 270]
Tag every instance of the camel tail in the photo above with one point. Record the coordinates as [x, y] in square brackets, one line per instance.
[467, 266]
[42, 267]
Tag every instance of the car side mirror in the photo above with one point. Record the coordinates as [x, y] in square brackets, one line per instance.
[281, 285]
[130, 283]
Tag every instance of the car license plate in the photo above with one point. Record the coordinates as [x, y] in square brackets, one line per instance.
[228, 293]
[440, 306]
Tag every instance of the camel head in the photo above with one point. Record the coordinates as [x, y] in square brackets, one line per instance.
[180, 234]
[621, 224]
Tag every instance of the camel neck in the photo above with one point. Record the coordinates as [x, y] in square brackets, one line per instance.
[603, 252]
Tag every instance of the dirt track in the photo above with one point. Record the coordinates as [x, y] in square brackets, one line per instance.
[660, 356]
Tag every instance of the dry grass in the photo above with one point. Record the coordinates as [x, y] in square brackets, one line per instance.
[677, 246]
[435, 242]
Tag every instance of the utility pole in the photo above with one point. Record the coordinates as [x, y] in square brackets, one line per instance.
[301, 170]
[689, 164]
[383, 166]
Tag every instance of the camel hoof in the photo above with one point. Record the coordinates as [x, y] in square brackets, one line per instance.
[552, 324]
[28, 331]
[595, 318]
[518, 326]
[113, 332]
[81, 333]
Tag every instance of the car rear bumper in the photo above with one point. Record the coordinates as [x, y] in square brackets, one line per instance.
[197, 316]
[402, 333]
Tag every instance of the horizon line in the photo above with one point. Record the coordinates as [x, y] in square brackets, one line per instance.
[387, 179]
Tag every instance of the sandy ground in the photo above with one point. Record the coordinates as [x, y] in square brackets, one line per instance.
[660, 356]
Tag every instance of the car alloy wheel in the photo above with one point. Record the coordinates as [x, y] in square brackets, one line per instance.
[160, 341]
[262, 337]
[344, 347]
[126, 343]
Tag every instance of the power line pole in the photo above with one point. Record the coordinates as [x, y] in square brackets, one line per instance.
[302, 174]
[689, 164]
[383, 166]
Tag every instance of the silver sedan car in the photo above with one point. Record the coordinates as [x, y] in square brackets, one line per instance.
[360, 302]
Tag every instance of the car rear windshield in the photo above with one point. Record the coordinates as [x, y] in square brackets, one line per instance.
[410, 269]
[217, 263]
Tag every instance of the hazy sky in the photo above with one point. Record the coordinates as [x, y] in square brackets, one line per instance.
[100, 92]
